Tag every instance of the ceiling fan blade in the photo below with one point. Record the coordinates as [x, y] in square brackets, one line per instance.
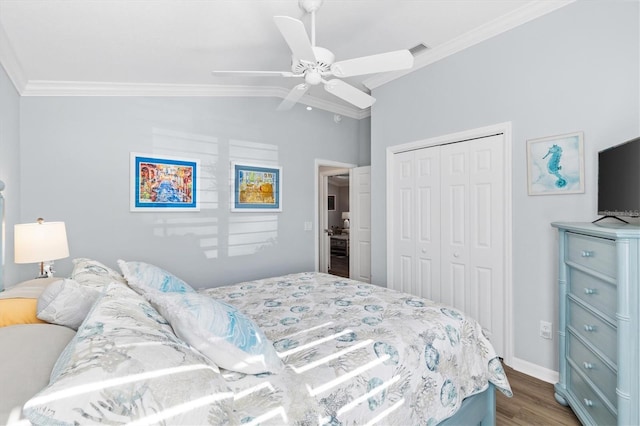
[293, 97]
[383, 62]
[296, 37]
[349, 93]
[257, 73]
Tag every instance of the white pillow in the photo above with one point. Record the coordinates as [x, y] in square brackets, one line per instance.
[144, 277]
[93, 273]
[125, 365]
[65, 302]
[218, 330]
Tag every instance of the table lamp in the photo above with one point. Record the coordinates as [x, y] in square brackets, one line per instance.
[345, 217]
[40, 242]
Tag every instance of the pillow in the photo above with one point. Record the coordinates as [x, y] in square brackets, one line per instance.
[29, 352]
[18, 311]
[65, 302]
[18, 303]
[125, 364]
[93, 273]
[144, 277]
[31, 289]
[222, 333]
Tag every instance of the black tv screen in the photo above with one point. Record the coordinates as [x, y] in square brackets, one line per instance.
[619, 180]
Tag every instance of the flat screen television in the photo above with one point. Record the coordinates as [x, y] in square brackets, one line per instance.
[619, 180]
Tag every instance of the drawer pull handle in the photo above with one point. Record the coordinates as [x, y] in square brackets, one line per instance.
[588, 366]
[589, 328]
[590, 291]
[587, 253]
[588, 402]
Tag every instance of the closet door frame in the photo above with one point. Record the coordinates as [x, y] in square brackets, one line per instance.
[500, 128]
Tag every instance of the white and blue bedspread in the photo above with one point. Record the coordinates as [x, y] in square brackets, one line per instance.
[357, 353]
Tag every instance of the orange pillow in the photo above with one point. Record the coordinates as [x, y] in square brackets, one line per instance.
[18, 311]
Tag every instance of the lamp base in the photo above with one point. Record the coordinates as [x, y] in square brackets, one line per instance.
[46, 270]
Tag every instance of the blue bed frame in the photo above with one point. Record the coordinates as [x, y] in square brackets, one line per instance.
[479, 409]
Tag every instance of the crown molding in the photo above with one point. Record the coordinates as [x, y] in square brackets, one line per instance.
[498, 26]
[97, 88]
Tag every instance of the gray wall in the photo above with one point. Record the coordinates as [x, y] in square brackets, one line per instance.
[576, 69]
[75, 168]
[9, 167]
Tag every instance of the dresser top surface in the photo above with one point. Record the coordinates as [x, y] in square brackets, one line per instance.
[605, 230]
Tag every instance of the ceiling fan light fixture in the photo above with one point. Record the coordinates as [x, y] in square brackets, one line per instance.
[313, 77]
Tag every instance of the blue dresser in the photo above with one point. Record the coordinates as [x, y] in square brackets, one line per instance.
[599, 332]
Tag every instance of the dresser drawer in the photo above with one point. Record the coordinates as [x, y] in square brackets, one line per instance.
[597, 293]
[591, 328]
[593, 367]
[598, 254]
[589, 400]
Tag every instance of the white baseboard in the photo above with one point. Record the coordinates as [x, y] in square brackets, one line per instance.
[534, 370]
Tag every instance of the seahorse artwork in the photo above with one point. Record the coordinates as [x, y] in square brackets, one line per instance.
[554, 166]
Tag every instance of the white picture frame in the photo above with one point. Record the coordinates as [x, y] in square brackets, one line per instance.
[555, 164]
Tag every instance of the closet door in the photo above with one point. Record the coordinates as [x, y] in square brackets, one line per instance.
[416, 233]
[447, 229]
[472, 231]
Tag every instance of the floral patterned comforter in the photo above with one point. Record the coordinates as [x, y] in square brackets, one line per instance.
[357, 353]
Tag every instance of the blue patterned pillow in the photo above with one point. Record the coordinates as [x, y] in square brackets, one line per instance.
[144, 277]
[218, 330]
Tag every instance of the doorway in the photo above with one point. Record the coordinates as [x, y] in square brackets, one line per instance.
[331, 202]
[338, 217]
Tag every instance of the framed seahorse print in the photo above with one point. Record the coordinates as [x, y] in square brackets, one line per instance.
[555, 164]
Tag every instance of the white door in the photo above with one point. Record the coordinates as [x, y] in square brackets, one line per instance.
[416, 207]
[360, 227]
[448, 228]
[323, 228]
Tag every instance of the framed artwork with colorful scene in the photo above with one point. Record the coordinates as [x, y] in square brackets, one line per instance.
[161, 183]
[256, 188]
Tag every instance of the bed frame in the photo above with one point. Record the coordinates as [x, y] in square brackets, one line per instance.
[479, 409]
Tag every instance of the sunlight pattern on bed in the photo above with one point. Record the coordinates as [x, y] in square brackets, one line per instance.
[359, 353]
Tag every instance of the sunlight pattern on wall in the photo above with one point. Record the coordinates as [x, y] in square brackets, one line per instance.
[219, 232]
[250, 233]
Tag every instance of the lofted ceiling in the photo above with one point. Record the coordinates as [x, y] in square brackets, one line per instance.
[170, 47]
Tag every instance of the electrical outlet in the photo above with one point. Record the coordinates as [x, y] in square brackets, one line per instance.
[545, 330]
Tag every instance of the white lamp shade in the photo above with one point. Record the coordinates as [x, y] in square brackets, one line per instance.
[40, 242]
[345, 215]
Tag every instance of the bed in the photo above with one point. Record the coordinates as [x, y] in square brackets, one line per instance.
[140, 346]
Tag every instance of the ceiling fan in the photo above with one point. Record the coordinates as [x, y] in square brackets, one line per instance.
[314, 63]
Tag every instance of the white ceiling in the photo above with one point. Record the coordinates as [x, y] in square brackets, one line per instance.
[169, 47]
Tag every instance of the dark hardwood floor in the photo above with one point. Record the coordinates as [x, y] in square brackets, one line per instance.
[339, 266]
[532, 403]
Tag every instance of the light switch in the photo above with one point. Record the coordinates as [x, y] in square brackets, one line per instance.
[308, 226]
